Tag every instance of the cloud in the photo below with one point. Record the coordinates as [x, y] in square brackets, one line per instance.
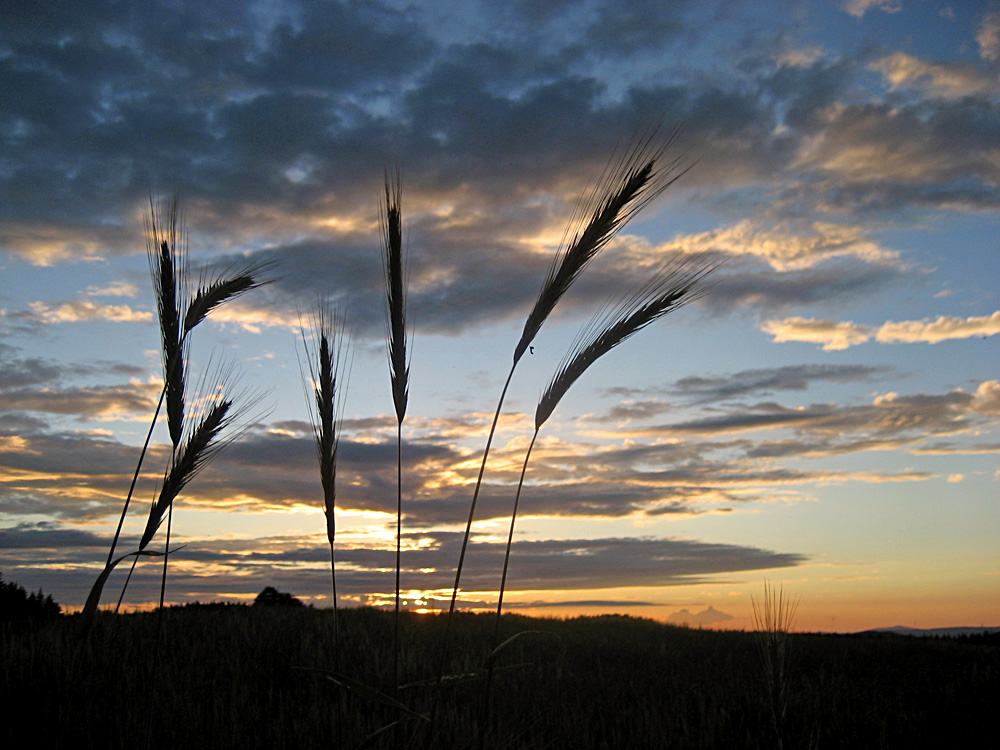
[115, 289]
[71, 560]
[858, 8]
[48, 245]
[889, 417]
[943, 328]
[20, 372]
[763, 381]
[878, 155]
[253, 319]
[987, 399]
[988, 36]
[104, 402]
[948, 80]
[836, 336]
[832, 335]
[785, 248]
[84, 310]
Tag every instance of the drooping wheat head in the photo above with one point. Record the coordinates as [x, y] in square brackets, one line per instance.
[231, 283]
[167, 257]
[677, 283]
[634, 176]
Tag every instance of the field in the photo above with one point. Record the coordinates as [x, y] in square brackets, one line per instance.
[242, 677]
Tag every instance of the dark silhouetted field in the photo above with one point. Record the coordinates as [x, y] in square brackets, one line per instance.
[230, 677]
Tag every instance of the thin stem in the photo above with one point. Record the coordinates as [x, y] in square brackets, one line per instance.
[159, 626]
[135, 476]
[336, 632]
[399, 531]
[503, 586]
[128, 578]
[461, 557]
[510, 542]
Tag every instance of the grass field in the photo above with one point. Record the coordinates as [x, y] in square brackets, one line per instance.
[233, 677]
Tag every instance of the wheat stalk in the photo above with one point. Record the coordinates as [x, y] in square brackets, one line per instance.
[633, 176]
[167, 257]
[676, 284]
[394, 275]
[328, 366]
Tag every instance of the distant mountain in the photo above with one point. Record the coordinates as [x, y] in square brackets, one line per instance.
[919, 632]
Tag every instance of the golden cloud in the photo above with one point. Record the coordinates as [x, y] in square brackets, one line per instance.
[81, 310]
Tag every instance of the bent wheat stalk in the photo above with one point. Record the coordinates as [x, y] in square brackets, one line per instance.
[676, 284]
[634, 175]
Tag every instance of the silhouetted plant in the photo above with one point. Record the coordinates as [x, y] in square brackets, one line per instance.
[676, 284]
[178, 316]
[634, 175]
[271, 597]
[773, 618]
[327, 363]
[394, 274]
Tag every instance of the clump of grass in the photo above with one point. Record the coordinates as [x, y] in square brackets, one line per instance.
[773, 617]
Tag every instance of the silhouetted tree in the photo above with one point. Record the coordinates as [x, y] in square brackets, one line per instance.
[271, 597]
[18, 604]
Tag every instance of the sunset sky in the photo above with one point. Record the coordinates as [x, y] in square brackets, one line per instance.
[827, 418]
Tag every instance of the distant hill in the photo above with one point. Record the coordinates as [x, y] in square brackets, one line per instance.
[929, 632]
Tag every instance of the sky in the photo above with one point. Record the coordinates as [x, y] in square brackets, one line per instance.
[826, 418]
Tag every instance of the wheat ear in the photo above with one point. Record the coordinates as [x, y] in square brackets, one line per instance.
[394, 275]
[676, 284]
[192, 458]
[633, 177]
[227, 286]
[329, 366]
[168, 267]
